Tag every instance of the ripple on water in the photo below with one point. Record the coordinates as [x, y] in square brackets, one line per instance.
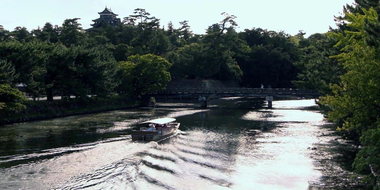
[202, 157]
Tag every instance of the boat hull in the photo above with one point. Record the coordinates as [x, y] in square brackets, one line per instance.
[138, 135]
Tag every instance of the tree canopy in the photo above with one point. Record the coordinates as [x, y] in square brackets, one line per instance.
[355, 100]
[143, 74]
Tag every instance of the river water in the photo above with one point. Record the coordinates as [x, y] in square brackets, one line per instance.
[287, 147]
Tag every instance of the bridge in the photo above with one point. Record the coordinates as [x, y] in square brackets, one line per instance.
[205, 94]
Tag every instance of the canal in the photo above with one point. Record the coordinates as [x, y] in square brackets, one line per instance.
[287, 147]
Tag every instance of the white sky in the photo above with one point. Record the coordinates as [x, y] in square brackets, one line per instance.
[312, 16]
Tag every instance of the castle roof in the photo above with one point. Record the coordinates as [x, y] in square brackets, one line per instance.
[107, 11]
[106, 16]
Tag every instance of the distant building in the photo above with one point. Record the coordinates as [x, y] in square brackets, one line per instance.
[106, 16]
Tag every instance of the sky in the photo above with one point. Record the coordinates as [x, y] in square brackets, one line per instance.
[290, 16]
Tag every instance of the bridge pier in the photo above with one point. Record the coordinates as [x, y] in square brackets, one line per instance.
[204, 104]
[270, 100]
[203, 101]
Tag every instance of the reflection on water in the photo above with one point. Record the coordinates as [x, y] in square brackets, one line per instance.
[215, 149]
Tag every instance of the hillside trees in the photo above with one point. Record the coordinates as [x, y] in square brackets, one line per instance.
[269, 60]
[4, 34]
[193, 61]
[184, 31]
[48, 33]
[21, 34]
[71, 32]
[80, 72]
[53, 69]
[67, 60]
[213, 57]
[317, 69]
[223, 45]
[148, 37]
[29, 61]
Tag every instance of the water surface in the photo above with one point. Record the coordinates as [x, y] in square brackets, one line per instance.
[287, 147]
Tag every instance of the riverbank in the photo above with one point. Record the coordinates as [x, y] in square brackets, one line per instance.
[40, 110]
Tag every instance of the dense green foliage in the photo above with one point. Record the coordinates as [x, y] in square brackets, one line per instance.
[142, 74]
[317, 69]
[344, 65]
[69, 61]
[269, 59]
[11, 99]
[355, 101]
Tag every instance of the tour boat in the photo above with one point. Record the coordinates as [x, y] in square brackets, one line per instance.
[156, 129]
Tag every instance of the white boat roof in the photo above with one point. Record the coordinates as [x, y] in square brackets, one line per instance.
[160, 121]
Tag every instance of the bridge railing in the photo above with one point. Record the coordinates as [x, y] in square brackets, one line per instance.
[265, 91]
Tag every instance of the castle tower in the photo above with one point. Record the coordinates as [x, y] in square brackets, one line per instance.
[106, 16]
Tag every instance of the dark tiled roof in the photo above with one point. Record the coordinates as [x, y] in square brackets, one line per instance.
[106, 16]
[107, 11]
[112, 21]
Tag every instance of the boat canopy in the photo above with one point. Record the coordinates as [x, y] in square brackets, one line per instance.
[160, 121]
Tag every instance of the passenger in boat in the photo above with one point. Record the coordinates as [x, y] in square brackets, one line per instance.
[151, 128]
[158, 127]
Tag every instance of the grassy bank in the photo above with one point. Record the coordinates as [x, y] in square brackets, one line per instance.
[39, 110]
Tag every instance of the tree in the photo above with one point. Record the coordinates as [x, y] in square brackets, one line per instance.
[215, 32]
[355, 101]
[317, 69]
[270, 58]
[170, 29]
[219, 44]
[48, 33]
[80, 72]
[194, 61]
[127, 34]
[121, 52]
[159, 43]
[11, 100]
[126, 78]
[7, 72]
[21, 34]
[148, 37]
[71, 33]
[29, 60]
[357, 7]
[145, 73]
[143, 18]
[4, 34]
[367, 158]
[184, 30]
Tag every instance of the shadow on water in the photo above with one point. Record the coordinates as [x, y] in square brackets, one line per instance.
[334, 157]
[33, 141]
[157, 167]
